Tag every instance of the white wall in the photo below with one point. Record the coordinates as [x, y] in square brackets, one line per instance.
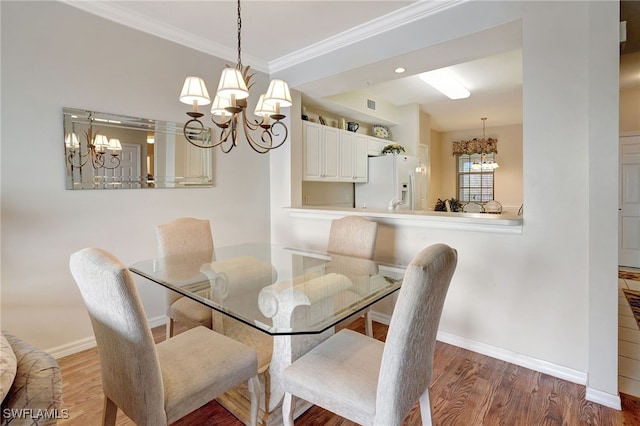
[548, 294]
[54, 56]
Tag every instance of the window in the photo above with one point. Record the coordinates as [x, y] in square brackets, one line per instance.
[474, 185]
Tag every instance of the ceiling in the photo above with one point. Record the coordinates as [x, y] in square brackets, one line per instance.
[274, 32]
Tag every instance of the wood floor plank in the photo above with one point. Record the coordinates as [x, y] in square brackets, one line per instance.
[467, 389]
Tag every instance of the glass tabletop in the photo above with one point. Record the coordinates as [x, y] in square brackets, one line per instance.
[275, 289]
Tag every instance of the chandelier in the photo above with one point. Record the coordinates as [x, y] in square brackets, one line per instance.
[484, 165]
[229, 109]
[97, 148]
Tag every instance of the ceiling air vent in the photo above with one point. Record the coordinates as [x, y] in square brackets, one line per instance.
[371, 104]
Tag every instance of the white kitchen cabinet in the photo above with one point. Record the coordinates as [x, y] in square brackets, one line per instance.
[320, 152]
[353, 157]
[376, 145]
[334, 155]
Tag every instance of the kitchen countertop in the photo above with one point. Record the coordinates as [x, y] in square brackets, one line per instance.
[509, 223]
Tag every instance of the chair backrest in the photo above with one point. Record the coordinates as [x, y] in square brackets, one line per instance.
[185, 236]
[492, 206]
[407, 359]
[472, 207]
[131, 375]
[353, 236]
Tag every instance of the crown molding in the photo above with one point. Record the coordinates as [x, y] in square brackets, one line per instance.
[406, 15]
[113, 12]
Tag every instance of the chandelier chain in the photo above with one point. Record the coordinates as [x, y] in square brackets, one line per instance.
[239, 66]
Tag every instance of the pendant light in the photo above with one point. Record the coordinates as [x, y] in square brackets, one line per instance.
[484, 165]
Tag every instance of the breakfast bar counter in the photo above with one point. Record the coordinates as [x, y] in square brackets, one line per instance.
[504, 223]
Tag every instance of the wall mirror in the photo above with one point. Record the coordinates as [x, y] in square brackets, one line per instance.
[111, 151]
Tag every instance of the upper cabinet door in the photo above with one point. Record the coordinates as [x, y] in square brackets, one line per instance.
[331, 153]
[347, 159]
[361, 159]
[312, 151]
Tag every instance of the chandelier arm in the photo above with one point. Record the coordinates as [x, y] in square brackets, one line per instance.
[114, 159]
[84, 158]
[97, 159]
[257, 147]
[285, 130]
[267, 137]
[191, 133]
[252, 125]
[222, 124]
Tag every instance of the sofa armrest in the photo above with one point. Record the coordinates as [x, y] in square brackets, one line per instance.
[36, 393]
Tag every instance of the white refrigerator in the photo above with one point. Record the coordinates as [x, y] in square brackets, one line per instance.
[395, 182]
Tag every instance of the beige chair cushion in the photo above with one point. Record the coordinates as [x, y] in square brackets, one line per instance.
[206, 375]
[8, 365]
[346, 364]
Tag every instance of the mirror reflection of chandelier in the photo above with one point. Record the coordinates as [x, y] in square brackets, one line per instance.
[97, 147]
[484, 165]
[228, 110]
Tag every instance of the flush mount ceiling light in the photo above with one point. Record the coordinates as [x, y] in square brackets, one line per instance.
[229, 109]
[444, 82]
[399, 70]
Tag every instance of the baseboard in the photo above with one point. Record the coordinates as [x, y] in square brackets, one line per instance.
[531, 363]
[603, 398]
[72, 348]
[90, 342]
[546, 367]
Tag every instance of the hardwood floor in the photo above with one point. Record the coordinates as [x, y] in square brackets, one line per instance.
[467, 389]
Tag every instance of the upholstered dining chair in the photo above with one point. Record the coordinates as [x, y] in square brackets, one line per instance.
[186, 237]
[354, 236]
[472, 207]
[154, 384]
[371, 382]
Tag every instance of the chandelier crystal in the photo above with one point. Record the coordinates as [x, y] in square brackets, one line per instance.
[229, 109]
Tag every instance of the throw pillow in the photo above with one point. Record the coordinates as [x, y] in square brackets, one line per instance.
[8, 365]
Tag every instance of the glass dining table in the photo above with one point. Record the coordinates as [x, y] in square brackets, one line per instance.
[276, 289]
[281, 300]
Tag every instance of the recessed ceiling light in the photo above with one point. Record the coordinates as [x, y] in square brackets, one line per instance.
[444, 82]
[400, 70]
